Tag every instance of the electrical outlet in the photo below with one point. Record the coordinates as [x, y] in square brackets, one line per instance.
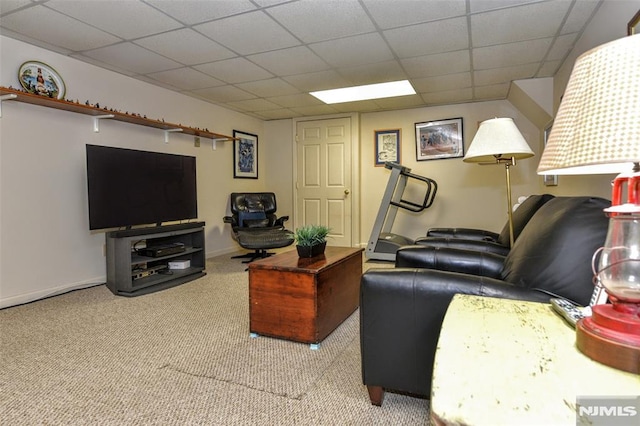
[196, 141]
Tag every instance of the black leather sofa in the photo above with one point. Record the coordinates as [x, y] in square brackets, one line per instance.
[481, 239]
[402, 309]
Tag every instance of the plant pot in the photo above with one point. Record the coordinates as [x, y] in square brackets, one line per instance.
[311, 251]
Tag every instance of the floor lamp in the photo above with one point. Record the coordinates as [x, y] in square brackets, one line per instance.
[498, 141]
[597, 130]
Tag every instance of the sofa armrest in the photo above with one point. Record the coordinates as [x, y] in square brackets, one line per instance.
[450, 259]
[401, 312]
[463, 233]
[459, 243]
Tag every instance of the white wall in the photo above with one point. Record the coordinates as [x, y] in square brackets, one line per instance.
[45, 243]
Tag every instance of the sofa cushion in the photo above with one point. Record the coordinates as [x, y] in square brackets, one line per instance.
[521, 217]
[554, 251]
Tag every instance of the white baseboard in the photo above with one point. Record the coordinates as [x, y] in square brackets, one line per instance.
[49, 292]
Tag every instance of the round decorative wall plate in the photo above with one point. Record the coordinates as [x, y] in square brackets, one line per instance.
[40, 79]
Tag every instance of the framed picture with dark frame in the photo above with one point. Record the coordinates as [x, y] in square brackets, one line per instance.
[387, 146]
[245, 155]
[439, 139]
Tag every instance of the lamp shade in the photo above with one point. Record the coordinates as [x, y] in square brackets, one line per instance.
[498, 137]
[597, 128]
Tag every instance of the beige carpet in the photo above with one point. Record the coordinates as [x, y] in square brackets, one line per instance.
[179, 356]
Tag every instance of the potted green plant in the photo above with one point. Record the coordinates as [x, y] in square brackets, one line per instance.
[311, 240]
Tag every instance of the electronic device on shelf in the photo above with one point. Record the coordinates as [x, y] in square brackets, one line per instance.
[162, 250]
[136, 274]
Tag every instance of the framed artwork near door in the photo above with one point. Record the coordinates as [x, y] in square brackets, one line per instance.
[387, 146]
[439, 139]
[245, 155]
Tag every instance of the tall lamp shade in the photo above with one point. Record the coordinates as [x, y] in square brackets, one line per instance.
[597, 127]
[498, 141]
[597, 130]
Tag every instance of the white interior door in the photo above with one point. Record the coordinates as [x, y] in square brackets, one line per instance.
[323, 187]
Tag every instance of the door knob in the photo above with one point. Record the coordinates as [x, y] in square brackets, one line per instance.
[346, 192]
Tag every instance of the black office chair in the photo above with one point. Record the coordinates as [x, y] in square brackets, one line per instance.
[255, 225]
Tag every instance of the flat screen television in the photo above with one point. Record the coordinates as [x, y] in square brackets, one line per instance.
[127, 187]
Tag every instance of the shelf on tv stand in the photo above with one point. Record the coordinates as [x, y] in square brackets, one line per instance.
[122, 259]
[7, 93]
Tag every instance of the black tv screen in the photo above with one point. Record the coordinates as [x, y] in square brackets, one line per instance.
[128, 187]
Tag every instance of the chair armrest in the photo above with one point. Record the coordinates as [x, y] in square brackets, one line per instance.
[450, 259]
[476, 245]
[463, 233]
[231, 220]
[401, 313]
[281, 220]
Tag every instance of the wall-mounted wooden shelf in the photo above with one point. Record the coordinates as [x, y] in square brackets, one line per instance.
[98, 113]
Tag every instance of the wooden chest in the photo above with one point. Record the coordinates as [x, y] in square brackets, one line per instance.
[304, 299]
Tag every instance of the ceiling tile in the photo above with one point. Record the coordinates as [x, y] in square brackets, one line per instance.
[313, 21]
[105, 65]
[549, 68]
[186, 79]
[507, 55]
[254, 105]
[236, 70]
[7, 6]
[278, 114]
[249, 55]
[315, 110]
[133, 58]
[399, 13]
[296, 101]
[186, 46]
[400, 102]
[193, 12]
[321, 80]
[363, 106]
[442, 82]
[29, 22]
[418, 40]
[224, 94]
[516, 24]
[133, 18]
[265, 34]
[580, 13]
[448, 96]
[295, 60]
[440, 64]
[561, 47]
[269, 87]
[504, 75]
[374, 73]
[496, 91]
[352, 51]
[484, 5]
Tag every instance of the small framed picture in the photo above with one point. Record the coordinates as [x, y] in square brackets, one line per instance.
[549, 180]
[245, 155]
[439, 139]
[387, 146]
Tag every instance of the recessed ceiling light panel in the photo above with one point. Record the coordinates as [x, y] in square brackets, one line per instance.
[368, 91]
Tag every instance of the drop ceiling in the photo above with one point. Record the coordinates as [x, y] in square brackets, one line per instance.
[262, 57]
